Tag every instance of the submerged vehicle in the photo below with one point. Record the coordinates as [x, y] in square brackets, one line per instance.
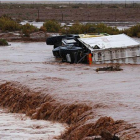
[70, 49]
[97, 48]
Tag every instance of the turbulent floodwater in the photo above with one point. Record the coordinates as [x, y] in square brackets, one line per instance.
[19, 126]
[114, 94]
[16, 126]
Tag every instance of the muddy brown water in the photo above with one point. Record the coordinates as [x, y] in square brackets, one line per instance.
[15, 126]
[112, 94]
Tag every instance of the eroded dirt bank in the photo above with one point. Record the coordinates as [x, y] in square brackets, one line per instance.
[69, 88]
[22, 100]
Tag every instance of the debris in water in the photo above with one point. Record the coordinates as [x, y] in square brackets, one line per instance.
[110, 68]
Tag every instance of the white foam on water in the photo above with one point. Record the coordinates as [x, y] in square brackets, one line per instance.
[18, 126]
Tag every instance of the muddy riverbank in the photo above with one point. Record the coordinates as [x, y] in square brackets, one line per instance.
[75, 94]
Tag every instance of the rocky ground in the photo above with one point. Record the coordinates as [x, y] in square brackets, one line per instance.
[64, 14]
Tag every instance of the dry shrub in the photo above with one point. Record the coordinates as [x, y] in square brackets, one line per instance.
[79, 28]
[3, 42]
[132, 31]
[27, 29]
[7, 24]
[42, 28]
[138, 34]
[52, 26]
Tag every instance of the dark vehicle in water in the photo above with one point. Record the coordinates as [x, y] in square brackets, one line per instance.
[96, 48]
[69, 48]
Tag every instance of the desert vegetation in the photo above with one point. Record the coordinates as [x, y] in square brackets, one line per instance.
[70, 5]
[79, 28]
[3, 42]
[73, 12]
[7, 24]
[53, 26]
[134, 31]
[27, 29]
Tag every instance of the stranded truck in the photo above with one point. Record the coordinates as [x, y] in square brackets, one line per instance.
[97, 48]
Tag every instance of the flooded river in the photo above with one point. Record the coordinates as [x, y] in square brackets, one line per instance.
[16, 65]
[15, 126]
[114, 94]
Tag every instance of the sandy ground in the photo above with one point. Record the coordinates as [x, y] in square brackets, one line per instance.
[18, 127]
[94, 14]
[114, 94]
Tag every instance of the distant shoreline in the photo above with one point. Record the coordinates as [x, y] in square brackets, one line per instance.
[70, 2]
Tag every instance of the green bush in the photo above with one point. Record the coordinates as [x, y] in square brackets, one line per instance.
[52, 26]
[6, 23]
[42, 28]
[75, 29]
[75, 6]
[138, 35]
[78, 28]
[27, 29]
[102, 28]
[3, 42]
[133, 31]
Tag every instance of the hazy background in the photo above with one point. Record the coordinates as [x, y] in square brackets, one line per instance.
[72, 1]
